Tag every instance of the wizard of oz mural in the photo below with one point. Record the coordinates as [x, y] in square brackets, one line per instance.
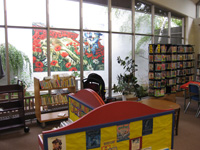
[65, 51]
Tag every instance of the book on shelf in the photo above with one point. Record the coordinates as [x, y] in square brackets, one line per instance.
[151, 49]
[151, 92]
[157, 49]
[45, 84]
[158, 67]
[151, 83]
[158, 58]
[168, 58]
[163, 48]
[163, 75]
[151, 75]
[53, 99]
[174, 49]
[150, 58]
[157, 84]
[151, 67]
[157, 75]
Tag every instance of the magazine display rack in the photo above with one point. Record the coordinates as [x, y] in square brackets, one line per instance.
[12, 107]
[170, 66]
[43, 103]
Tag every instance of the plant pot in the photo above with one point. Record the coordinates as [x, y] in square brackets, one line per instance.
[130, 97]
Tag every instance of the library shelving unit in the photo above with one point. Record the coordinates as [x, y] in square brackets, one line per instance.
[44, 102]
[170, 66]
[157, 58]
[185, 65]
[12, 107]
[198, 68]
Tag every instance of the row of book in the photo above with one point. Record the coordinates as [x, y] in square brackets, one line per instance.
[170, 66]
[162, 83]
[165, 58]
[157, 92]
[170, 74]
[55, 83]
[53, 99]
[166, 48]
[161, 91]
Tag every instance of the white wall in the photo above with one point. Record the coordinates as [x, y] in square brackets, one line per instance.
[185, 7]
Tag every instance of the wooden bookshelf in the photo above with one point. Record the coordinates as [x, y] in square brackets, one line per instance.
[39, 105]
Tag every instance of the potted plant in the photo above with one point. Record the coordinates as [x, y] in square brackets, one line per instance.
[19, 64]
[127, 82]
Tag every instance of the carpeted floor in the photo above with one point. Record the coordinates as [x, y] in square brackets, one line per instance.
[187, 138]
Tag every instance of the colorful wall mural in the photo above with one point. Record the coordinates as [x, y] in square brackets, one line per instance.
[65, 50]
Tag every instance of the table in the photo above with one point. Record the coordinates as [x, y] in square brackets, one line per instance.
[164, 104]
[185, 88]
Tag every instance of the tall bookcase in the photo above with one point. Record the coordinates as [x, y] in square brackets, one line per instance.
[48, 100]
[170, 66]
[12, 107]
[198, 68]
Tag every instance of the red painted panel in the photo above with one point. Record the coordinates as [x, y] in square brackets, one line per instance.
[111, 112]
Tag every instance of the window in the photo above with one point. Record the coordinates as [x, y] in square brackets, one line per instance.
[142, 18]
[141, 58]
[27, 29]
[176, 30]
[24, 15]
[95, 17]
[3, 80]
[121, 20]
[161, 22]
[64, 14]
[121, 46]
[1, 12]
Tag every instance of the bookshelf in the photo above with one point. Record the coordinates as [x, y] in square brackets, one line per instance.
[198, 68]
[44, 102]
[12, 107]
[170, 66]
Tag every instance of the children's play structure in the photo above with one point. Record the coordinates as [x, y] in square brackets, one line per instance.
[120, 125]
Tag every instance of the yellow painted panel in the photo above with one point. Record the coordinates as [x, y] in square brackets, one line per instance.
[76, 141]
[123, 145]
[162, 132]
[108, 134]
[135, 129]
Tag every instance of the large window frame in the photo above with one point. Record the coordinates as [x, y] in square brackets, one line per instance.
[110, 3]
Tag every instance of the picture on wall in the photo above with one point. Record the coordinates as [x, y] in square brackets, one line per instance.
[65, 50]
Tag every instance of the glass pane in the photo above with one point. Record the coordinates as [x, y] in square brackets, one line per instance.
[20, 51]
[95, 17]
[121, 49]
[161, 40]
[141, 58]
[96, 55]
[161, 22]
[26, 12]
[1, 12]
[198, 10]
[3, 78]
[176, 27]
[142, 18]
[64, 14]
[176, 41]
[121, 20]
